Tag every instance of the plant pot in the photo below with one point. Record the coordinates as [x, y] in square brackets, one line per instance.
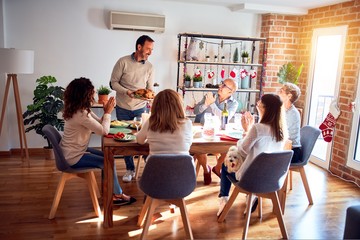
[187, 84]
[244, 59]
[197, 84]
[245, 82]
[103, 99]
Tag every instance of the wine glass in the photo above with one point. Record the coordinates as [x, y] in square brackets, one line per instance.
[137, 122]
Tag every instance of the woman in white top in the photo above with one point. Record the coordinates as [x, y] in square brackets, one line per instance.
[266, 136]
[80, 122]
[168, 130]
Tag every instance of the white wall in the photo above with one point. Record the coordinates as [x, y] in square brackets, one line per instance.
[71, 39]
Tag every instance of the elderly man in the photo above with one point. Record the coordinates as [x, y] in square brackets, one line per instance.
[215, 105]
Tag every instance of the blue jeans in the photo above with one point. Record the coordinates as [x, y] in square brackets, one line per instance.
[124, 114]
[225, 183]
[96, 159]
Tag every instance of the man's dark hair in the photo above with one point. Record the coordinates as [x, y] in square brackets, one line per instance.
[142, 39]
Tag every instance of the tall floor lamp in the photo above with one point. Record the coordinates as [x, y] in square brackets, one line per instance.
[13, 62]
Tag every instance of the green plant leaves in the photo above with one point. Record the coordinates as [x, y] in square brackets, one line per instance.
[289, 73]
[47, 104]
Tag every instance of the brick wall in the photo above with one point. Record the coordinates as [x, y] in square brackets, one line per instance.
[289, 40]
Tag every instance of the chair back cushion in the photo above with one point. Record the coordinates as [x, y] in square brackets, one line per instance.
[308, 137]
[267, 172]
[54, 137]
[168, 176]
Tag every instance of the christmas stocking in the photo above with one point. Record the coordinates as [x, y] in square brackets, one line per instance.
[327, 127]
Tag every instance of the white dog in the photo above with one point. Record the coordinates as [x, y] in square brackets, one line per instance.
[233, 159]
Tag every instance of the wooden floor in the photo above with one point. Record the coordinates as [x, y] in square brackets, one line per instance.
[26, 195]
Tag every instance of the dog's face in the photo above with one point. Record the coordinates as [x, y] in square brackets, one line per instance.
[233, 159]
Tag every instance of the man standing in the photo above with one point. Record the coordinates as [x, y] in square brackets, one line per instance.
[129, 74]
[215, 105]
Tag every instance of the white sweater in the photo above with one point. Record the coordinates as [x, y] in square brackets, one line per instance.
[259, 139]
[178, 142]
[77, 132]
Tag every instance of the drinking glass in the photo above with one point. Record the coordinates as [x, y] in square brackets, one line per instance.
[137, 122]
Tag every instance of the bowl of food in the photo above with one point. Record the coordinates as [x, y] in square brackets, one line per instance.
[119, 124]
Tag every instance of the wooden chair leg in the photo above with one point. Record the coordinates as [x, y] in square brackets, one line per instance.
[143, 211]
[278, 212]
[282, 193]
[185, 218]
[228, 205]
[137, 170]
[152, 206]
[59, 190]
[89, 178]
[247, 217]
[95, 186]
[291, 179]
[306, 185]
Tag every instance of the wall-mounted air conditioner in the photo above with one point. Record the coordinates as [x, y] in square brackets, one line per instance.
[137, 22]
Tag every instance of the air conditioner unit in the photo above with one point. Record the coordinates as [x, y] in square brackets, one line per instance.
[137, 22]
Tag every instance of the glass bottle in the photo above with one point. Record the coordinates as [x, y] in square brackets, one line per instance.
[224, 117]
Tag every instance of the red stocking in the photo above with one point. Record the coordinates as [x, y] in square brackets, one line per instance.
[328, 125]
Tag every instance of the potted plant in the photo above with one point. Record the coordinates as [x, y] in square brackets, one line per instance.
[222, 58]
[47, 104]
[187, 80]
[215, 58]
[207, 58]
[197, 81]
[236, 55]
[289, 73]
[103, 94]
[244, 56]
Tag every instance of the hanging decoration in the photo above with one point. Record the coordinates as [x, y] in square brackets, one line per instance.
[252, 74]
[233, 73]
[328, 125]
[243, 73]
[210, 74]
[222, 73]
[197, 72]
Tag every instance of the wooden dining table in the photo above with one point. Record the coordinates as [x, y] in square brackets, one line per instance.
[112, 147]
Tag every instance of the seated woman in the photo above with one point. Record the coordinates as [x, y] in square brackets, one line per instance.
[289, 94]
[168, 130]
[80, 122]
[267, 135]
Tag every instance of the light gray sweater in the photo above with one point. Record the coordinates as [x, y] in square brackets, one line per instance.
[77, 132]
[128, 74]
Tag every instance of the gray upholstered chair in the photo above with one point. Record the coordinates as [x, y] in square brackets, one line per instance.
[352, 223]
[308, 137]
[168, 178]
[264, 177]
[68, 173]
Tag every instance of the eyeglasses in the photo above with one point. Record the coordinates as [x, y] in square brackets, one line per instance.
[224, 85]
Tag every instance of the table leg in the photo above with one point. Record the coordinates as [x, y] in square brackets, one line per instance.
[108, 187]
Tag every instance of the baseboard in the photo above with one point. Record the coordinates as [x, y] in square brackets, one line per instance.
[33, 152]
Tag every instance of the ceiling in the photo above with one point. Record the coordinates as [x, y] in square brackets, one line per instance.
[292, 7]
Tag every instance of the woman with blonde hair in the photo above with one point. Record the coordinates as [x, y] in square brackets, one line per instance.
[168, 130]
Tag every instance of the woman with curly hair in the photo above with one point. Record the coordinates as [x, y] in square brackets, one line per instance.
[80, 122]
